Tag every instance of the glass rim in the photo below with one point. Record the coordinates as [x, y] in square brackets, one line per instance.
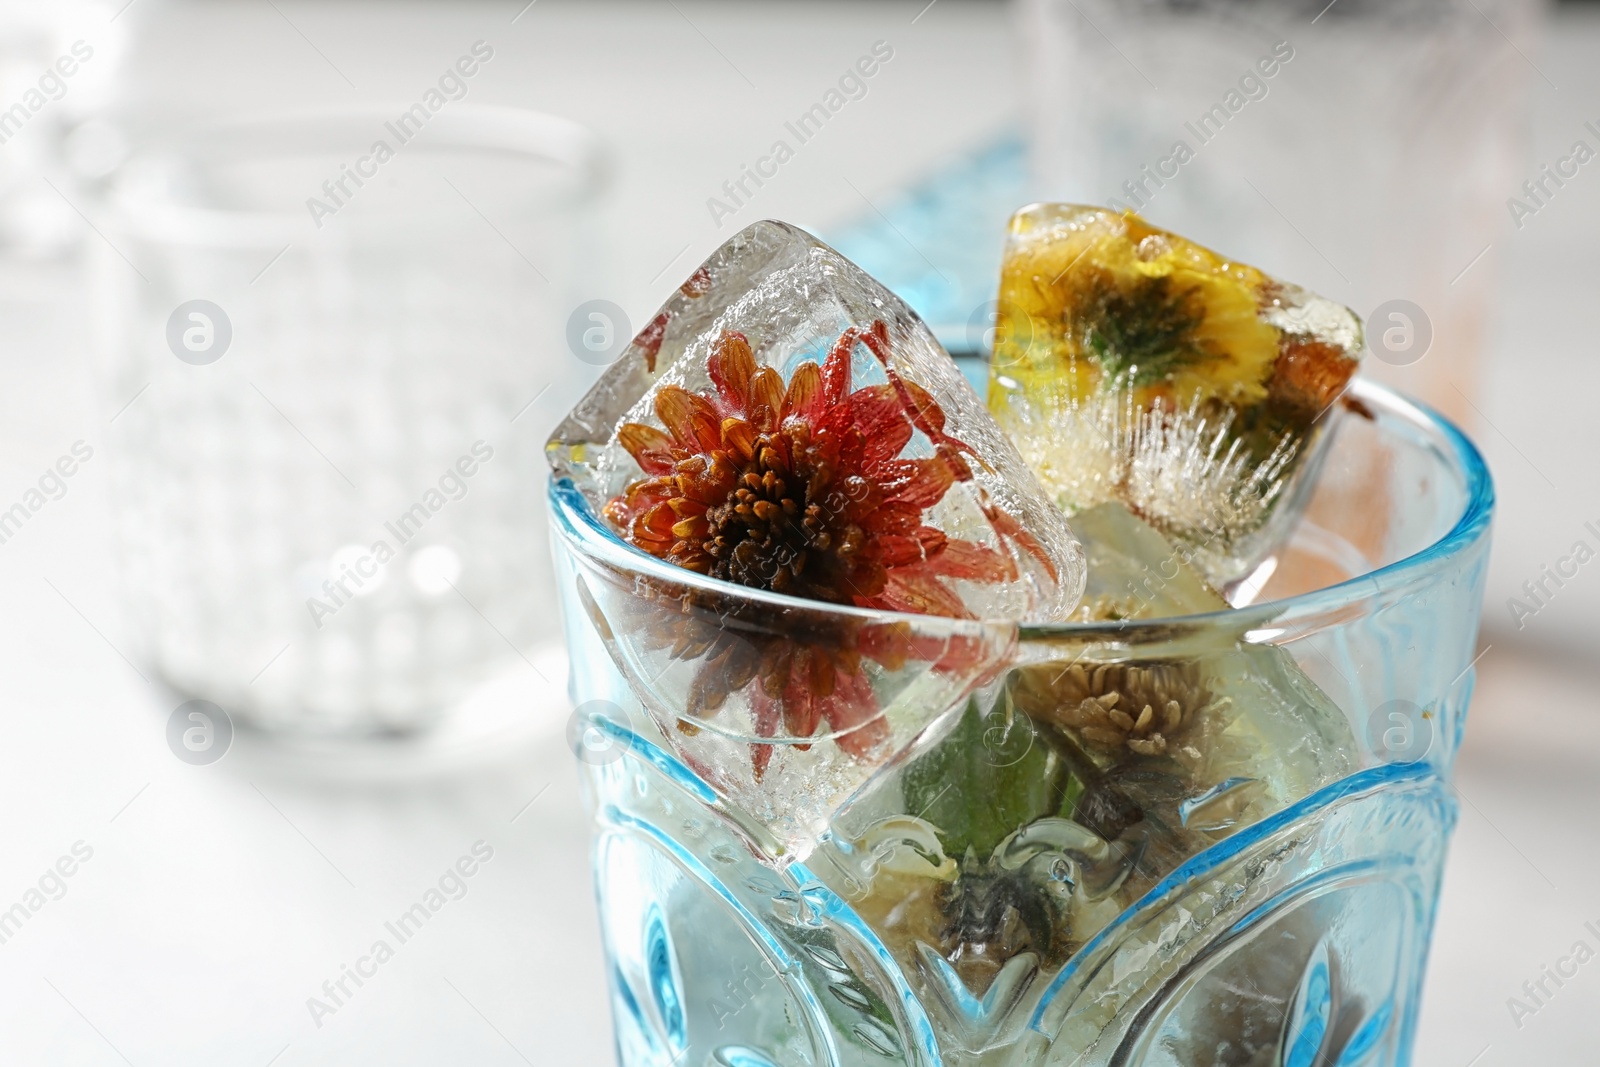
[534, 135]
[1263, 622]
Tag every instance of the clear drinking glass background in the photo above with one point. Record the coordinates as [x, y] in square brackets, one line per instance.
[1373, 166]
[1312, 925]
[384, 356]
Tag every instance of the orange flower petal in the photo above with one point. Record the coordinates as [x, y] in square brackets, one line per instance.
[766, 398]
[804, 388]
[707, 428]
[1009, 527]
[649, 339]
[895, 516]
[676, 408]
[766, 715]
[694, 526]
[927, 408]
[730, 366]
[900, 550]
[853, 708]
[801, 712]
[919, 404]
[972, 561]
[652, 530]
[739, 438]
[922, 483]
[639, 497]
[649, 447]
[915, 590]
[836, 368]
[882, 422]
[697, 284]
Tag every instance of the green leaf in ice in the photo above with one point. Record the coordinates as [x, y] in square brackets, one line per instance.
[990, 776]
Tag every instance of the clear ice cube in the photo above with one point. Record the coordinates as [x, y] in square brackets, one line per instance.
[843, 539]
[775, 328]
[1135, 365]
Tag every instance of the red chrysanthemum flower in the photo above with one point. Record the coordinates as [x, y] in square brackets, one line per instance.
[802, 489]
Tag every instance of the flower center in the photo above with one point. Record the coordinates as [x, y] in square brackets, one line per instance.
[789, 523]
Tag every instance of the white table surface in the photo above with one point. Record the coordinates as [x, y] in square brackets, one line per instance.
[218, 899]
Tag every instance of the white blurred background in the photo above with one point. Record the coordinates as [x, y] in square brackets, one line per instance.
[220, 897]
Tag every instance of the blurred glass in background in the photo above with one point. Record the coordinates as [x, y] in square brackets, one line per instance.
[1360, 147]
[58, 65]
[317, 334]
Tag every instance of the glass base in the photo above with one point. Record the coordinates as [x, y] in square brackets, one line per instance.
[496, 720]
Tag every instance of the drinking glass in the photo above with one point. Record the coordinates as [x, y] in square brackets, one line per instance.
[782, 917]
[1364, 148]
[329, 343]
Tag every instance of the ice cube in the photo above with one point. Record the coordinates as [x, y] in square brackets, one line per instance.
[1228, 709]
[1134, 572]
[787, 432]
[780, 351]
[1093, 772]
[1191, 743]
[786, 710]
[1135, 365]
